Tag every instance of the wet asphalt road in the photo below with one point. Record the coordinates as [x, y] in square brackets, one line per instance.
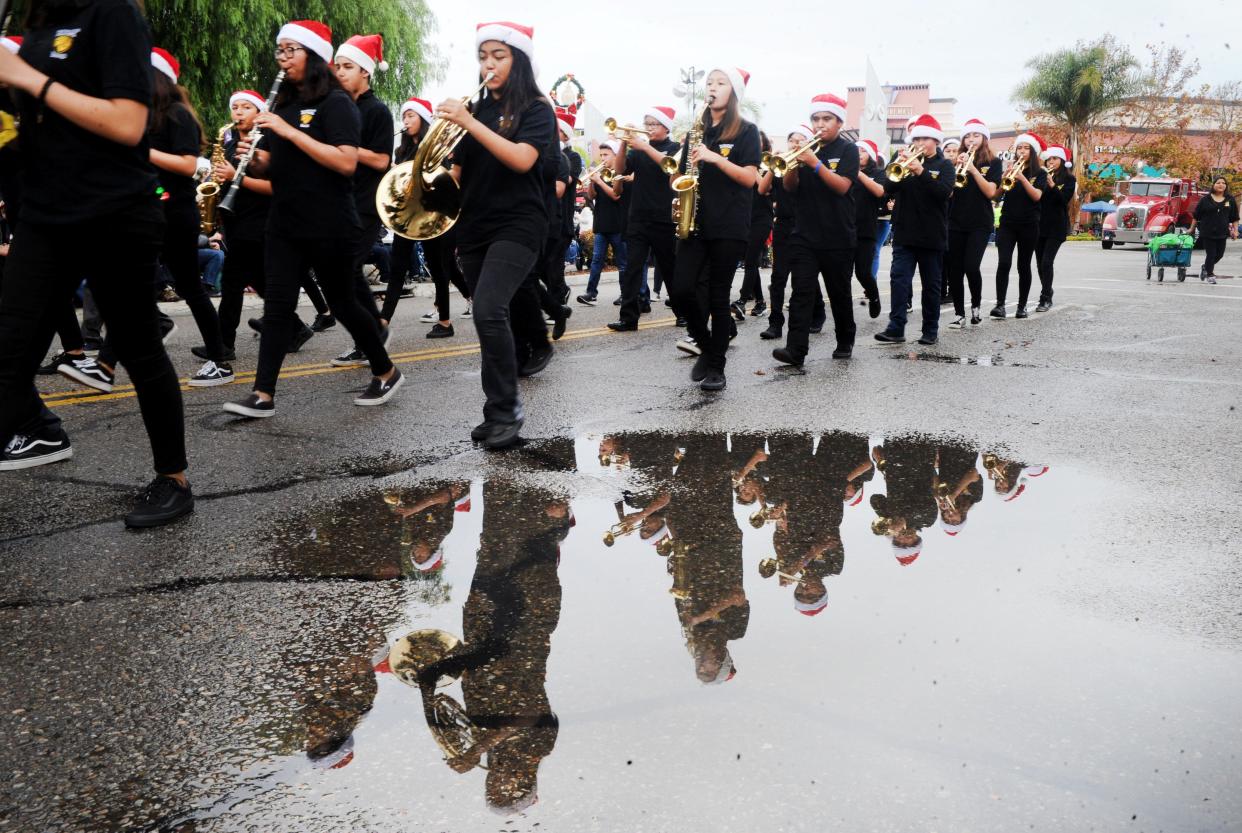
[1068, 661]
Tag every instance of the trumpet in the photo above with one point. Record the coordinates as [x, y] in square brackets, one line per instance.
[628, 131]
[899, 168]
[1010, 178]
[605, 173]
[782, 163]
[963, 162]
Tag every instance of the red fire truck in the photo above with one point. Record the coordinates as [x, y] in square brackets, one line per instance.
[1148, 207]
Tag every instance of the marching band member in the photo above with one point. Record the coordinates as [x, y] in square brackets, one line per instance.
[1019, 221]
[88, 187]
[760, 230]
[782, 227]
[1216, 217]
[950, 148]
[611, 205]
[825, 233]
[503, 212]
[868, 194]
[971, 221]
[313, 134]
[649, 229]
[554, 263]
[1053, 218]
[920, 229]
[728, 163]
[356, 61]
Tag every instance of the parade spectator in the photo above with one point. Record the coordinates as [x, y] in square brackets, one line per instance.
[1216, 217]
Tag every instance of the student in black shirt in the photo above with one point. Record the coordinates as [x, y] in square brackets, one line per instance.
[760, 230]
[563, 231]
[868, 193]
[649, 229]
[356, 61]
[825, 232]
[1216, 217]
[1019, 221]
[611, 204]
[312, 135]
[88, 187]
[782, 227]
[504, 215]
[1053, 218]
[920, 231]
[728, 166]
[971, 221]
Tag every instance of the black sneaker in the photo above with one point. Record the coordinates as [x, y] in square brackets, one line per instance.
[817, 327]
[53, 367]
[25, 451]
[700, 370]
[350, 358]
[616, 301]
[200, 351]
[785, 356]
[927, 340]
[210, 375]
[771, 333]
[998, 311]
[715, 381]
[689, 346]
[87, 371]
[843, 351]
[300, 338]
[255, 324]
[681, 321]
[644, 307]
[163, 501]
[379, 391]
[738, 309]
[539, 358]
[873, 307]
[975, 317]
[479, 432]
[561, 322]
[758, 309]
[252, 406]
[503, 435]
[890, 338]
[1044, 306]
[323, 321]
[1021, 313]
[623, 326]
[438, 330]
[586, 300]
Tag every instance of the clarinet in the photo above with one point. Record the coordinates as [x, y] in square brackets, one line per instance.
[226, 204]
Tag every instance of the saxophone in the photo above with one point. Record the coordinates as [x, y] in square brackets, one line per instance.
[686, 186]
[208, 190]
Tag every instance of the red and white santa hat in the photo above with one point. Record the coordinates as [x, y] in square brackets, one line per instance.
[379, 660]
[738, 79]
[339, 759]
[952, 140]
[11, 43]
[727, 672]
[312, 34]
[419, 105]
[952, 529]
[1035, 471]
[828, 103]
[1032, 141]
[925, 127]
[435, 562]
[1016, 492]
[250, 97]
[164, 61]
[868, 147]
[462, 504]
[664, 115]
[367, 51]
[976, 126]
[659, 536]
[566, 120]
[804, 131]
[514, 35]
[905, 555]
[613, 145]
[1058, 152]
[813, 608]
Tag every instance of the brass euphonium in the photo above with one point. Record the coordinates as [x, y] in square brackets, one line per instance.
[208, 191]
[419, 199]
[963, 162]
[899, 168]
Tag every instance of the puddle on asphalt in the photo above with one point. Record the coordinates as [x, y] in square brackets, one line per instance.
[995, 360]
[716, 632]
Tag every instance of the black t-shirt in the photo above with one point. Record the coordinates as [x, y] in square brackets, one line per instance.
[826, 219]
[376, 135]
[554, 168]
[867, 205]
[1017, 208]
[761, 206]
[569, 201]
[1054, 206]
[499, 203]
[309, 200]
[69, 175]
[652, 197]
[610, 214]
[249, 218]
[1214, 217]
[970, 210]
[782, 205]
[724, 205]
[181, 136]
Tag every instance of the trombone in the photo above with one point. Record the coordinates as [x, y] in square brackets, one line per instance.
[782, 163]
[628, 131]
[899, 168]
[961, 177]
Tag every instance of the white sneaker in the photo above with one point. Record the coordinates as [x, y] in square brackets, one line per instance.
[210, 375]
[430, 317]
[689, 346]
[466, 312]
[957, 323]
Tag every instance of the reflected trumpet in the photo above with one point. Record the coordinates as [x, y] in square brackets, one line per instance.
[899, 168]
[769, 567]
[620, 529]
[782, 163]
[963, 162]
[628, 131]
[883, 526]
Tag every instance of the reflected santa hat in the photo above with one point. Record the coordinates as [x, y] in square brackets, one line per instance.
[812, 608]
[1035, 471]
[906, 555]
[857, 498]
[379, 661]
[435, 562]
[952, 529]
[337, 759]
[420, 106]
[727, 672]
[367, 51]
[250, 97]
[462, 504]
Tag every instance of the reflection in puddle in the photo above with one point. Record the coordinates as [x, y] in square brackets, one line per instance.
[979, 361]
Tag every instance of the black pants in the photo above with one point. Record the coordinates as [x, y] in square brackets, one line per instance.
[243, 266]
[1046, 249]
[44, 420]
[1213, 251]
[806, 265]
[401, 257]
[43, 269]
[362, 252]
[1024, 238]
[494, 274]
[180, 255]
[752, 284]
[641, 240]
[526, 312]
[68, 328]
[702, 282]
[863, 257]
[287, 260]
[314, 293]
[780, 279]
[963, 259]
[554, 269]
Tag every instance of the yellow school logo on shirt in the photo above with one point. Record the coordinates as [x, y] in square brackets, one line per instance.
[306, 118]
[725, 149]
[63, 42]
[935, 174]
[832, 163]
[984, 170]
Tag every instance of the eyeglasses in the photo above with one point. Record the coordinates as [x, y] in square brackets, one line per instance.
[288, 51]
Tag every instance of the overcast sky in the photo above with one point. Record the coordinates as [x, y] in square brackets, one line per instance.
[623, 51]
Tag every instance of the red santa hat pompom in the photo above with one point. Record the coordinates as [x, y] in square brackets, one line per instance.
[367, 51]
[664, 115]
[12, 43]
[828, 103]
[1032, 141]
[250, 97]
[419, 105]
[868, 147]
[812, 608]
[976, 126]
[514, 35]
[312, 34]
[566, 120]
[906, 555]
[164, 61]
[738, 79]
[925, 127]
[1058, 152]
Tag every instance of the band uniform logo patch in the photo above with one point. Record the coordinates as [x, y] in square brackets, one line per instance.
[725, 150]
[935, 174]
[984, 170]
[304, 120]
[63, 42]
[832, 163]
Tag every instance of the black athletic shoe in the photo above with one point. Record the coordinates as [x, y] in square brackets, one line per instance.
[503, 435]
[351, 358]
[255, 324]
[623, 326]
[758, 309]
[163, 501]
[1044, 306]
[561, 322]
[873, 307]
[379, 391]
[890, 338]
[644, 307]
[700, 370]
[211, 375]
[26, 451]
[52, 368]
[300, 338]
[715, 381]
[975, 317]
[539, 358]
[86, 371]
[998, 311]
[843, 351]
[927, 341]
[1022, 313]
[616, 302]
[252, 406]
[785, 356]
[438, 330]
[323, 321]
[587, 300]
[739, 310]
[479, 432]
[200, 351]
[771, 333]
[681, 321]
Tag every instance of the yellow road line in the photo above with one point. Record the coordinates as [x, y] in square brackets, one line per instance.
[86, 397]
